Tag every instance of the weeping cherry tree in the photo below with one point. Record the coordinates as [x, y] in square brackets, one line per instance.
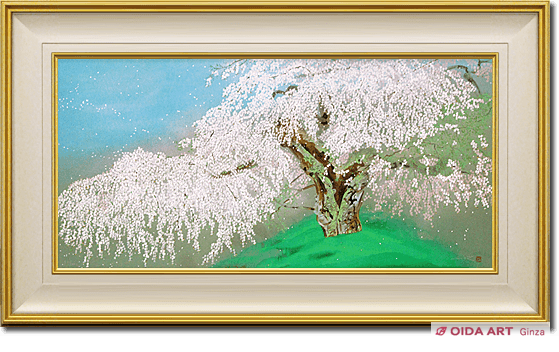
[408, 135]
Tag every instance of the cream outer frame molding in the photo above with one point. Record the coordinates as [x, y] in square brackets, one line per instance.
[31, 294]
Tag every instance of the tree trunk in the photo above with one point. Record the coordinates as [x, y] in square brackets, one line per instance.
[339, 195]
[339, 219]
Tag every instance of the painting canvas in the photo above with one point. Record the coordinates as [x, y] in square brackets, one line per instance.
[227, 162]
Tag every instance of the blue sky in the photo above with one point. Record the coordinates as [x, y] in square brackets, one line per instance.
[104, 101]
[107, 106]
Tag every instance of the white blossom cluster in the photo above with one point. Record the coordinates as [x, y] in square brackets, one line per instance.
[146, 202]
[385, 115]
[424, 195]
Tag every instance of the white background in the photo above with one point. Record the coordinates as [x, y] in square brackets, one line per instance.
[230, 339]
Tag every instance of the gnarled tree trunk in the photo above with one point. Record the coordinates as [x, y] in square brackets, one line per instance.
[338, 219]
[339, 196]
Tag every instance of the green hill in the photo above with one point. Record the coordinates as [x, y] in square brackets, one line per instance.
[383, 243]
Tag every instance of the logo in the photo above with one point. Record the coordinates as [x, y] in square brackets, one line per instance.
[449, 330]
[478, 259]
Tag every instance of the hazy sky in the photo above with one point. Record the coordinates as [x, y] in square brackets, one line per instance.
[107, 106]
[105, 101]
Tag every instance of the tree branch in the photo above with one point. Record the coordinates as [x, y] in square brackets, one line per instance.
[248, 165]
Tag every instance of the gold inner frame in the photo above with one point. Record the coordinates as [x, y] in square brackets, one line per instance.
[138, 55]
[540, 8]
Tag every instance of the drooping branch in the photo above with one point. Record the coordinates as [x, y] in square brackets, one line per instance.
[467, 75]
[245, 166]
[277, 92]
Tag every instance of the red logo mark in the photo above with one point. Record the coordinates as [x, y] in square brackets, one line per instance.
[441, 331]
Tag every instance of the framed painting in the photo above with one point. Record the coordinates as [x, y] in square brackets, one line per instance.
[156, 173]
[261, 202]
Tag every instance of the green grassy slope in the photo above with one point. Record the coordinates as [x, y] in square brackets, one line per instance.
[383, 243]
